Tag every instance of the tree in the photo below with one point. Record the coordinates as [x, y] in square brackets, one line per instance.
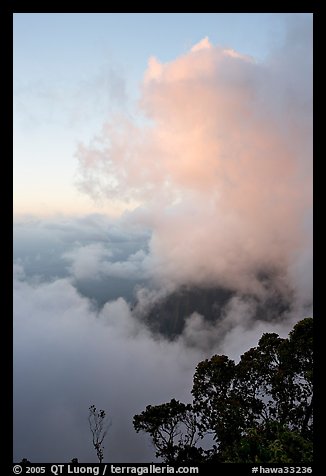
[259, 410]
[172, 427]
[99, 425]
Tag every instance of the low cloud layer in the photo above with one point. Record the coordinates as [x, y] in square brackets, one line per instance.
[71, 352]
[68, 355]
[105, 257]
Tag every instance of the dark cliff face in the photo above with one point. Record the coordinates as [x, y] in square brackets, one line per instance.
[168, 316]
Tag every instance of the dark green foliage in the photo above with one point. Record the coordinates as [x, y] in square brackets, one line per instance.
[259, 410]
[173, 429]
[270, 443]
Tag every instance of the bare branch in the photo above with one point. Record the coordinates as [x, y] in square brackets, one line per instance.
[99, 424]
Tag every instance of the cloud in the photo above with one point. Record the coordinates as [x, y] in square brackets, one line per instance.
[87, 261]
[235, 332]
[202, 45]
[67, 356]
[219, 165]
[85, 242]
[105, 258]
[91, 262]
[222, 166]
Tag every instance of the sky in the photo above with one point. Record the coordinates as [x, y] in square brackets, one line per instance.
[152, 152]
[72, 72]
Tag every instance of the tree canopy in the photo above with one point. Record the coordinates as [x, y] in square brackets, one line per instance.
[258, 410]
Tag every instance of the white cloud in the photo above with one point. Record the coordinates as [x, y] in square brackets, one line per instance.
[87, 261]
[68, 356]
[223, 166]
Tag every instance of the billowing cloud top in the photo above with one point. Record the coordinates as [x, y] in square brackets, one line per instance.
[222, 166]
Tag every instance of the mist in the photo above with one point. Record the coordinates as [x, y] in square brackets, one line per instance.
[215, 171]
[69, 355]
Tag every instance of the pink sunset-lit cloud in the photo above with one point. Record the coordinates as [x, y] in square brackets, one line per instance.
[222, 168]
